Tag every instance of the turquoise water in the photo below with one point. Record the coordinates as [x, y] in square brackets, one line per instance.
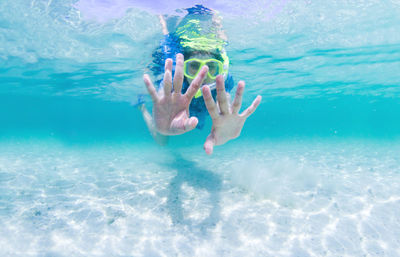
[315, 171]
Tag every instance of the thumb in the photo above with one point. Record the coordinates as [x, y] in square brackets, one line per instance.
[191, 123]
[209, 145]
[182, 125]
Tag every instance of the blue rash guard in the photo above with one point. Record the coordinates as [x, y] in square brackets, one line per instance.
[168, 48]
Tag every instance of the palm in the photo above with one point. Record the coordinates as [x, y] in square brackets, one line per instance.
[171, 114]
[227, 122]
[171, 109]
[226, 127]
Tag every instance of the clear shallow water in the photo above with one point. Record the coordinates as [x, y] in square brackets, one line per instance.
[274, 199]
[314, 173]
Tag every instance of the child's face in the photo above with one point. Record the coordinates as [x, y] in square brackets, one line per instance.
[203, 56]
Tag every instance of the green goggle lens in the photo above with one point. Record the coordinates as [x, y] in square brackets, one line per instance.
[192, 66]
[213, 69]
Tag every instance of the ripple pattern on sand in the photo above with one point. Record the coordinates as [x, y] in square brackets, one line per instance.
[276, 199]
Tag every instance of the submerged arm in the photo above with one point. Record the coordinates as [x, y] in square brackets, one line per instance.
[163, 24]
[159, 138]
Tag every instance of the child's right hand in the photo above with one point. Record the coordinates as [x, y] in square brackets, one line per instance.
[171, 109]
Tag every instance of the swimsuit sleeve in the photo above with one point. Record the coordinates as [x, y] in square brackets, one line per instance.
[229, 83]
[169, 47]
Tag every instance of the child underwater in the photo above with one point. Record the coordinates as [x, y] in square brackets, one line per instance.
[194, 54]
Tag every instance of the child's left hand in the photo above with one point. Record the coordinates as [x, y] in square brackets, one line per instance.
[227, 122]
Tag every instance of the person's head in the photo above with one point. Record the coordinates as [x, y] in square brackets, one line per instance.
[203, 43]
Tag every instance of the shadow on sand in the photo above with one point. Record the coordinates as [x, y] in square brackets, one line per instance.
[200, 179]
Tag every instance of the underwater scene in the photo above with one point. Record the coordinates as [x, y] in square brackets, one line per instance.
[314, 170]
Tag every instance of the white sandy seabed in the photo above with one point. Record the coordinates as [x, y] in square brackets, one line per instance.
[248, 199]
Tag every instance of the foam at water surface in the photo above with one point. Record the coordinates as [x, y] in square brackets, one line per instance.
[276, 199]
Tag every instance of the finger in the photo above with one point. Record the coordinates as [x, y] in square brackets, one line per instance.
[196, 83]
[178, 76]
[184, 125]
[191, 123]
[168, 77]
[237, 102]
[246, 113]
[209, 144]
[209, 101]
[221, 95]
[167, 83]
[150, 88]
[168, 64]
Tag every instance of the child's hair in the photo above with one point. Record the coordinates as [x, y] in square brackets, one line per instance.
[189, 53]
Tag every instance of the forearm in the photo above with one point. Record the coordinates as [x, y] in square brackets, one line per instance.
[163, 24]
[159, 138]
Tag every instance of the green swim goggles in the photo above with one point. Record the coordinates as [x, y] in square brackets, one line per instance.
[193, 66]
